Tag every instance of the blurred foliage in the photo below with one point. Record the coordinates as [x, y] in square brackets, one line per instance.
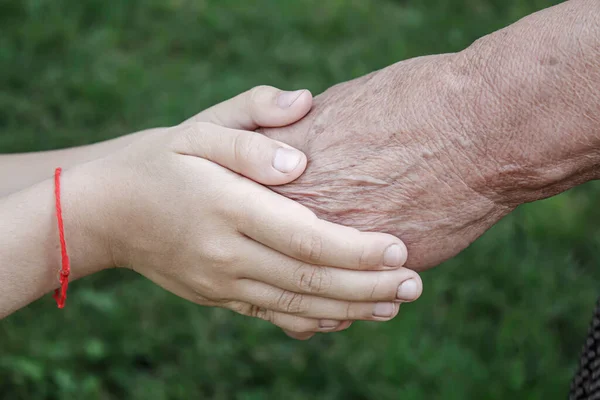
[504, 319]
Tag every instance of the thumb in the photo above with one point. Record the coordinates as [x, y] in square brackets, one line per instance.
[262, 106]
[250, 154]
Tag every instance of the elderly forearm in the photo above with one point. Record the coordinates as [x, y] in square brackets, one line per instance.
[532, 92]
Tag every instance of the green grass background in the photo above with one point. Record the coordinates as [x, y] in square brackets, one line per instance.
[505, 319]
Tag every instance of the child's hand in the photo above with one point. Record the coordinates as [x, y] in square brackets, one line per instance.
[166, 209]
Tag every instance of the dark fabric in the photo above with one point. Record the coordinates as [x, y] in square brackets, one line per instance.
[586, 383]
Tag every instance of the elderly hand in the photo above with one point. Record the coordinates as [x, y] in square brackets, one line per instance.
[386, 152]
[437, 149]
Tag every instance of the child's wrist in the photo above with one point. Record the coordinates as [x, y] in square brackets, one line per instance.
[83, 214]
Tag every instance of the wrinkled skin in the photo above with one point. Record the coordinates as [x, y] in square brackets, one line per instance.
[435, 151]
[383, 158]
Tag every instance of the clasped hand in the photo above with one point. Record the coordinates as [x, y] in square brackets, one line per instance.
[186, 207]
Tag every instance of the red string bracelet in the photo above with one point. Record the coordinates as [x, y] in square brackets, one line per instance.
[60, 295]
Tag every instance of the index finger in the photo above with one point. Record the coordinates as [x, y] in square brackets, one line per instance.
[294, 230]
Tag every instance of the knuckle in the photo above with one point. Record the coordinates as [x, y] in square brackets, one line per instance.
[292, 303]
[312, 279]
[218, 254]
[192, 133]
[261, 313]
[188, 138]
[214, 115]
[257, 92]
[244, 146]
[368, 258]
[364, 259]
[308, 245]
[256, 100]
[374, 292]
[251, 310]
[239, 307]
[372, 248]
[350, 314]
[208, 288]
[260, 97]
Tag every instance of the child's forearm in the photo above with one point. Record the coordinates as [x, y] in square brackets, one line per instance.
[18, 171]
[29, 243]
[30, 255]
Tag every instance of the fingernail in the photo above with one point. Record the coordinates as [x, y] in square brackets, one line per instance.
[384, 310]
[286, 160]
[328, 324]
[286, 99]
[392, 257]
[407, 290]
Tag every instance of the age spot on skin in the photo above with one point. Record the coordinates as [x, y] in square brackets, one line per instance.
[549, 61]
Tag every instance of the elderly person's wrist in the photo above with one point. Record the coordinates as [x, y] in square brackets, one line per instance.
[528, 96]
